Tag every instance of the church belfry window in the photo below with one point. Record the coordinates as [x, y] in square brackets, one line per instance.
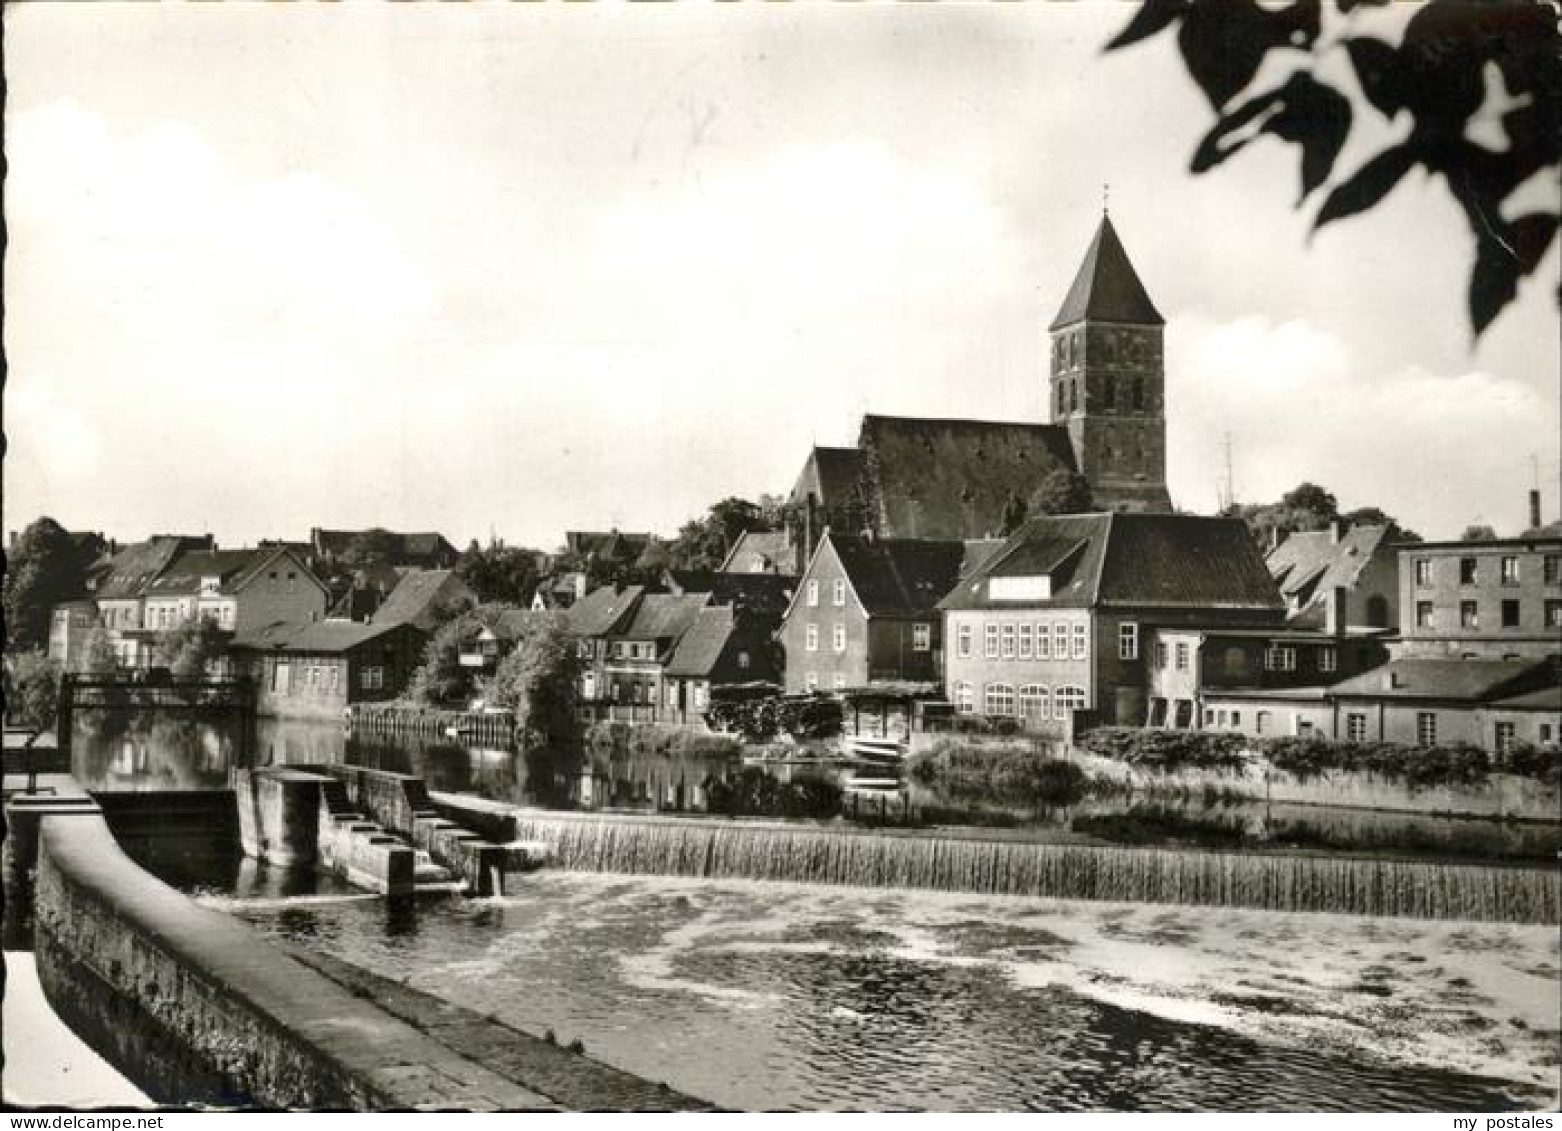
[1073, 396]
[1062, 399]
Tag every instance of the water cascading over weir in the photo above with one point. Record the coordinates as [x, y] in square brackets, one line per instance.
[990, 865]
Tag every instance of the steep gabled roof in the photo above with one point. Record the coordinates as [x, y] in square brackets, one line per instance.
[418, 594]
[937, 478]
[773, 551]
[603, 610]
[185, 572]
[832, 475]
[898, 576]
[136, 566]
[607, 545]
[664, 616]
[1311, 563]
[1130, 560]
[701, 645]
[1107, 289]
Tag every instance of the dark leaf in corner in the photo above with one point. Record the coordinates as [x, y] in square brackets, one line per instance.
[1367, 186]
[1377, 69]
[1153, 16]
[1494, 280]
[1302, 111]
[1532, 235]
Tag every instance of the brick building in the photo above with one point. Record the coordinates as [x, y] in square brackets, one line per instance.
[1481, 600]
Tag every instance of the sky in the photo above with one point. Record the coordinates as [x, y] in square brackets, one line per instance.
[483, 268]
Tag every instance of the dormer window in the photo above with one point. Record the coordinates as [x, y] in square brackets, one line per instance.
[210, 584]
[1033, 588]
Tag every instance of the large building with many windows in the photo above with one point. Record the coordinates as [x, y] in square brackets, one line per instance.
[1495, 600]
[1060, 620]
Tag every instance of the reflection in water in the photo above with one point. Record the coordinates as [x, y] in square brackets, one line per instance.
[763, 996]
[125, 751]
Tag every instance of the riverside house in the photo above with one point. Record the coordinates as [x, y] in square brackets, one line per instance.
[1500, 599]
[317, 670]
[865, 612]
[1058, 622]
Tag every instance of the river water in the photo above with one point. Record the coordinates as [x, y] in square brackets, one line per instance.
[769, 995]
[766, 995]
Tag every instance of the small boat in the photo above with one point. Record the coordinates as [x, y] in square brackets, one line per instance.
[883, 750]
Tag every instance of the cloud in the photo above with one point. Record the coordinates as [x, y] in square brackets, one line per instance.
[1437, 450]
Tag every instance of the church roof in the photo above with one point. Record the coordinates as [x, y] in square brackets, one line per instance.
[953, 478]
[1107, 289]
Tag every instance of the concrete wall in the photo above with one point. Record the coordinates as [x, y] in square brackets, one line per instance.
[279, 815]
[196, 1007]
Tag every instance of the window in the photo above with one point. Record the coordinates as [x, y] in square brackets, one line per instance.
[1356, 727]
[1510, 614]
[811, 681]
[813, 592]
[743, 661]
[1506, 734]
[1261, 722]
[811, 638]
[1423, 573]
[1062, 399]
[333, 675]
[839, 681]
[1551, 569]
[963, 638]
[1108, 394]
[838, 592]
[1160, 654]
[1304, 728]
[1424, 615]
[1060, 641]
[701, 696]
[838, 638]
[1554, 614]
[1328, 660]
[1073, 396]
[921, 638]
[1209, 716]
[1043, 642]
[1008, 642]
[372, 678]
[1128, 642]
[1034, 701]
[1469, 571]
[965, 701]
[991, 641]
[1138, 392]
[1067, 699]
[1079, 641]
[1508, 569]
[999, 700]
[1280, 658]
[1182, 655]
[1027, 641]
[1469, 615]
[1545, 733]
[1235, 660]
[1426, 728]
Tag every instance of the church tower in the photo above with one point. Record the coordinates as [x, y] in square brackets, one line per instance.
[1108, 379]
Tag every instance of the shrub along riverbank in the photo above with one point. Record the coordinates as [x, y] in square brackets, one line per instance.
[1416, 767]
[1028, 775]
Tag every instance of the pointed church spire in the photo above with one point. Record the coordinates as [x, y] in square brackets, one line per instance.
[1107, 289]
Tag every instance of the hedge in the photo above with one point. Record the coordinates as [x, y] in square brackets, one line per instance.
[962, 771]
[1418, 767]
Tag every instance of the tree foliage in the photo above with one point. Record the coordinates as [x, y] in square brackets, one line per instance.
[500, 573]
[97, 653]
[45, 568]
[703, 543]
[1478, 532]
[1309, 506]
[440, 680]
[1061, 492]
[538, 681]
[1436, 77]
[188, 648]
[32, 692]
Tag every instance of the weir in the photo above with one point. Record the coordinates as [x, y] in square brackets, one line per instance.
[989, 866]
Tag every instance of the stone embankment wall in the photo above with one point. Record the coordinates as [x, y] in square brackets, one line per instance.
[195, 1007]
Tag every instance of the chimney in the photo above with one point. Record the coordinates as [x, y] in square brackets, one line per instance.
[1336, 603]
[1336, 529]
[1534, 508]
[1392, 680]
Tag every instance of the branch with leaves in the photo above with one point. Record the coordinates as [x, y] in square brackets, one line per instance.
[1437, 76]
